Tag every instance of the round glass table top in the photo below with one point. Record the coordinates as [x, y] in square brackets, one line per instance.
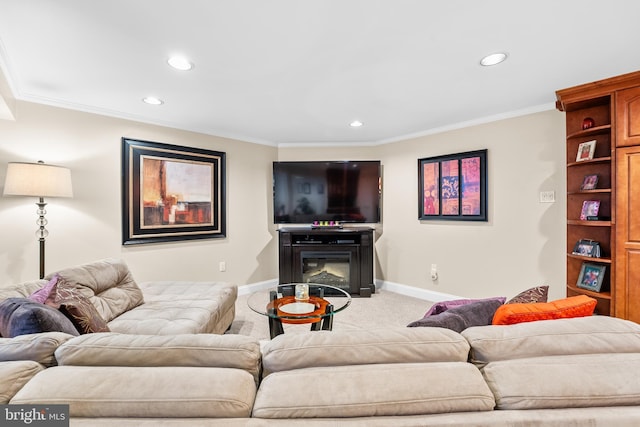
[299, 301]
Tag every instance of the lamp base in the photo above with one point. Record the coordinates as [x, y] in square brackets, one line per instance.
[42, 232]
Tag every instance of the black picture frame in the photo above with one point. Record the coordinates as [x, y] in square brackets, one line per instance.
[171, 193]
[588, 248]
[453, 187]
[591, 276]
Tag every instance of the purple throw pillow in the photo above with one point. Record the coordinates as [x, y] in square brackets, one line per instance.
[442, 306]
[477, 313]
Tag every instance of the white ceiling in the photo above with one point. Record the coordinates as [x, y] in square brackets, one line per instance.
[299, 71]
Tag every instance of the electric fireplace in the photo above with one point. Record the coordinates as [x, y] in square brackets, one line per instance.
[342, 258]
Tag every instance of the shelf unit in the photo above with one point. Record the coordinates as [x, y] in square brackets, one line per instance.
[613, 110]
[599, 109]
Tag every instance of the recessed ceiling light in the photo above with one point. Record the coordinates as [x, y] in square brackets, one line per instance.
[180, 63]
[493, 59]
[152, 100]
[356, 124]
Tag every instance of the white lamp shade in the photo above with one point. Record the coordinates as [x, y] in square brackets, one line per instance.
[37, 179]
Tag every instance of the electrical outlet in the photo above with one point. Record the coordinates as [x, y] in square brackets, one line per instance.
[547, 196]
[434, 272]
[223, 266]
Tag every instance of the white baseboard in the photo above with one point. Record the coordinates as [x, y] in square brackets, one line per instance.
[253, 287]
[414, 292]
[398, 288]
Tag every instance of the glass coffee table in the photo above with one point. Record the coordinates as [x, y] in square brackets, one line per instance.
[297, 303]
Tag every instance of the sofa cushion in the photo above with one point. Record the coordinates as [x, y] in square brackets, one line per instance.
[587, 380]
[206, 350]
[21, 316]
[180, 307]
[363, 347]
[458, 319]
[531, 295]
[576, 306]
[581, 335]
[14, 376]
[366, 390]
[107, 283]
[144, 392]
[37, 347]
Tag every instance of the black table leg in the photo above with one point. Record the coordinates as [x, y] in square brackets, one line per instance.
[275, 324]
[327, 321]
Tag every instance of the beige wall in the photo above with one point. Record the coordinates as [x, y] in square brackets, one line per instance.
[522, 244]
[88, 227]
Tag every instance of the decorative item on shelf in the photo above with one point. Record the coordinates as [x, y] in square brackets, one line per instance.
[38, 180]
[587, 247]
[326, 224]
[590, 208]
[587, 123]
[591, 277]
[586, 150]
[589, 182]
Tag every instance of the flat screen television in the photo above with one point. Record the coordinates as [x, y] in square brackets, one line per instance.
[342, 191]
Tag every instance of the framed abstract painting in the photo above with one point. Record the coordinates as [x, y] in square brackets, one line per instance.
[453, 187]
[171, 193]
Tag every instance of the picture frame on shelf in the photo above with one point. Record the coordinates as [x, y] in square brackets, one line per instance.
[588, 248]
[586, 151]
[589, 182]
[171, 193]
[453, 187]
[590, 208]
[591, 276]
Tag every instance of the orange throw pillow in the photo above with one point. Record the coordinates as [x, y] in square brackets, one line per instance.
[578, 306]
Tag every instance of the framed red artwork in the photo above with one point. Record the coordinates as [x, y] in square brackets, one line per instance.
[171, 193]
[453, 187]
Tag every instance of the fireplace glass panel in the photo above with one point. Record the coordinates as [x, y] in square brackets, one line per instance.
[333, 269]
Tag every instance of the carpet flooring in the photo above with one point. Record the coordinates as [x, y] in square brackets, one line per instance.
[383, 309]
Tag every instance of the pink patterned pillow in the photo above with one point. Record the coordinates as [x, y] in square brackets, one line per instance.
[77, 307]
[43, 293]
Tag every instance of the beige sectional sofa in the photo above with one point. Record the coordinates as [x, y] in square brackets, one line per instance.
[581, 371]
[153, 308]
[566, 372]
[160, 365]
[124, 376]
[161, 308]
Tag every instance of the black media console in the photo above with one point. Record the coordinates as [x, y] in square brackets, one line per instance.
[340, 257]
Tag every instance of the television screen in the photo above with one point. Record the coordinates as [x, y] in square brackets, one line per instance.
[343, 191]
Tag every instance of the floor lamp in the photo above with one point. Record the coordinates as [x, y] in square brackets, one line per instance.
[38, 180]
